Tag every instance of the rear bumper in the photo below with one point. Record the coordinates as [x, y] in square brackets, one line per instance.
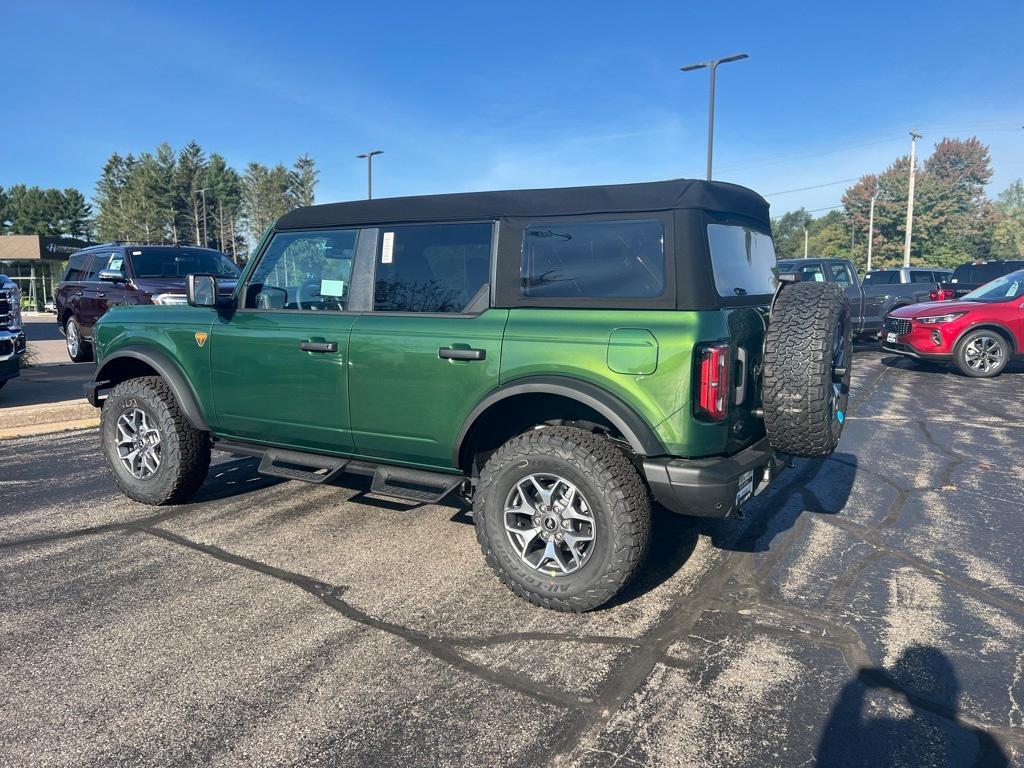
[92, 391]
[712, 487]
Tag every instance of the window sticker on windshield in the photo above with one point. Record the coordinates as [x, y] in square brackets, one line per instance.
[387, 252]
[332, 288]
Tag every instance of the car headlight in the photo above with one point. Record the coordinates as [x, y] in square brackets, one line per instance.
[940, 319]
[170, 298]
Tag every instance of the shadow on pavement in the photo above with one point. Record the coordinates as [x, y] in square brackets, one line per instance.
[931, 735]
[819, 486]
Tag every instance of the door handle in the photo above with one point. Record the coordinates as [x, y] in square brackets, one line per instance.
[448, 353]
[78, 293]
[318, 346]
[100, 295]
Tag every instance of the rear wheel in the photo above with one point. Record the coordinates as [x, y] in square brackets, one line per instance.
[562, 517]
[807, 364]
[79, 350]
[155, 455]
[982, 353]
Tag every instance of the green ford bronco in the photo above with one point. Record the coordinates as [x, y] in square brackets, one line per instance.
[562, 358]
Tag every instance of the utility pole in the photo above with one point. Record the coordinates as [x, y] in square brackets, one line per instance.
[871, 227]
[910, 197]
[368, 156]
[805, 241]
[712, 67]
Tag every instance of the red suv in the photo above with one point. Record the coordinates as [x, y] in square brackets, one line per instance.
[980, 332]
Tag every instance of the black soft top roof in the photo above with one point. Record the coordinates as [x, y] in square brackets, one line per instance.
[618, 198]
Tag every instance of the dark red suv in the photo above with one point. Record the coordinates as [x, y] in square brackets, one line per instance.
[104, 276]
[980, 332]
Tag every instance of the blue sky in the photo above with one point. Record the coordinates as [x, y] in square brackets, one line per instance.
[481, 95]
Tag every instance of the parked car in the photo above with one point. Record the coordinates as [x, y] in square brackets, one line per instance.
[967, 277]
[118, 274]
[558, 356]
[980, 332]
[12, 337]
[871, 301]
[50, 306]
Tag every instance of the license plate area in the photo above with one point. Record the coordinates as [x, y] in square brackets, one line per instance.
[746, 487]
[890, 338]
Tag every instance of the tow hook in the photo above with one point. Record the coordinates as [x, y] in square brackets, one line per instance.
[466, 491]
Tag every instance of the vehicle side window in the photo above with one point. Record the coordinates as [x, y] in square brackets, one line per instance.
[811, 274]
[432, 267]
[304, 271]
[78, 267]
[920, 276]
[841, 274]
[594, 259]
[99, 263]
[116, 263]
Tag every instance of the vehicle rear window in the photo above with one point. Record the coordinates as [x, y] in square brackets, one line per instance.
[918, 276]
[743, 260]
[594, 259]
[78, 267]
[432, 267]
[882, 277]
[180, 262]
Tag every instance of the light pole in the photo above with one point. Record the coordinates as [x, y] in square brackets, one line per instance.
[368, 156]
[712, 66]
[910, 197]
[871, 227]
[805, 241]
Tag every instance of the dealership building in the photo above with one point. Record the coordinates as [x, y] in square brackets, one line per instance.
[36, 263]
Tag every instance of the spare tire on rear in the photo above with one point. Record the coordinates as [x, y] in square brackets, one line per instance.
[807, 362]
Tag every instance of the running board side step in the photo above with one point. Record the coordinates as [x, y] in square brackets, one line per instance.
[413, 484]
[295, 465]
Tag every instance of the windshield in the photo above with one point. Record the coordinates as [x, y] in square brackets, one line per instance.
[179, 262]
[1002, 289]
[743, 260]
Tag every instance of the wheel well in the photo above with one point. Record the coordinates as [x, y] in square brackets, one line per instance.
[996, 329]
[519, 413]
[123, 368]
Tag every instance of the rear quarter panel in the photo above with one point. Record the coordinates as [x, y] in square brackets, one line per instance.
[575, 343]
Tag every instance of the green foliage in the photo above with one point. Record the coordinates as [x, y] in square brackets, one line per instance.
[36, 211]
[828, 235]
[954, 221]
[191, 198]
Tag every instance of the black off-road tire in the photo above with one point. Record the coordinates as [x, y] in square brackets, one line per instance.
[996, 338]
[185, 450]
[803, 411]
[617, 496]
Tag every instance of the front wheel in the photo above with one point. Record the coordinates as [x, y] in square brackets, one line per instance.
[563, 518]
[982, 354]
[154, 454]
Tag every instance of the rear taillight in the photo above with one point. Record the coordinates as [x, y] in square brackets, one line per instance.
[712, 401]
[934, 296]
[942, 294]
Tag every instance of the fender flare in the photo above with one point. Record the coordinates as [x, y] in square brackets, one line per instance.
[994, 325]
[169, 371]
[623, 417]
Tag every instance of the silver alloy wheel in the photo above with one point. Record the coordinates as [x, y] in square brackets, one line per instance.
[983, 354]
[138, 444]
[550, 524]
[74, 338]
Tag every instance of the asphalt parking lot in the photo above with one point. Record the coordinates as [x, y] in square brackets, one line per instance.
[868, 610]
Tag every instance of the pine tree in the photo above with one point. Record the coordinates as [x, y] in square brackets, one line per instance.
[76, 215]
[303, 178]
[190, 175]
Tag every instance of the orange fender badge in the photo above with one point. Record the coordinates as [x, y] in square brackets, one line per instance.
[201, 337]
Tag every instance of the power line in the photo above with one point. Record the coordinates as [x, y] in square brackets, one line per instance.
[814, 186]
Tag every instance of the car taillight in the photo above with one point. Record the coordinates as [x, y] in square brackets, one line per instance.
[942, 294]
[712, 401]
[934, 296]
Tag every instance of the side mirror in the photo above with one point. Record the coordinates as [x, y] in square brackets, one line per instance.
[111, 276]
[201, 290]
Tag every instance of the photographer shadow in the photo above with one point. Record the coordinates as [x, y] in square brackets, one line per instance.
[932, 734]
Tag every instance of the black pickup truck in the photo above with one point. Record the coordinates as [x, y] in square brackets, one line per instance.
[871, 301]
